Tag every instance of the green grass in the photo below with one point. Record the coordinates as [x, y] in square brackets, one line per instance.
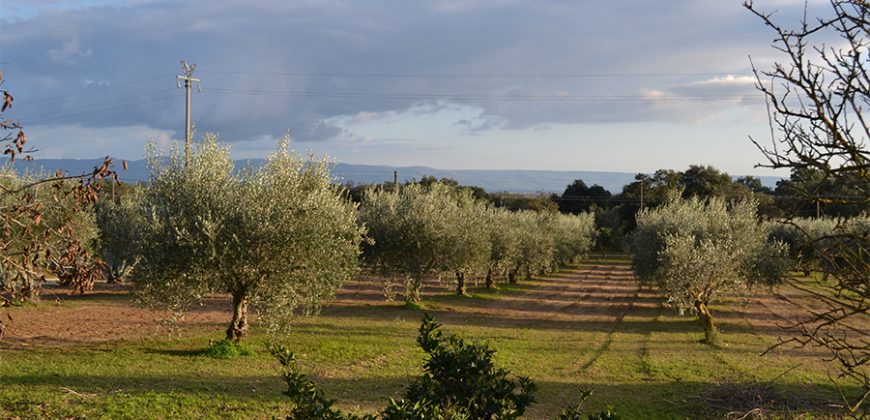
[647, 364]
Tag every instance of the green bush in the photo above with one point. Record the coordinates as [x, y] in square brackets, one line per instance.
[309, 401]
[460, 381]
[226, 349]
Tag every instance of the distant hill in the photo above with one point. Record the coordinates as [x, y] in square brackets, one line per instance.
[521, 181]
[518, 181]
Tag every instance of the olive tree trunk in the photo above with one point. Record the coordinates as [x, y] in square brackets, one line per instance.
[489, 280]
[705, 316]
[412, 292]
[115, 272]
[460, 283]
[30, 290]
[239, 325]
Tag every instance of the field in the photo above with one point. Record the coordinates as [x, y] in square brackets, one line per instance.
[98, 355]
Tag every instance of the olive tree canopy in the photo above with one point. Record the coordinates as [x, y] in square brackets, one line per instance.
[275, 238]
[424, 229]
[696, 251]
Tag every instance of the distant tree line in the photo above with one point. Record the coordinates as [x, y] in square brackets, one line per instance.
[806, 193]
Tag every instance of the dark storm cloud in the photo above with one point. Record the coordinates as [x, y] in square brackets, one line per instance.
[270, 66]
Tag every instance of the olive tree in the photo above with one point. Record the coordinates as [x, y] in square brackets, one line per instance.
[117, 219]
[408, 228]
[546, 241]
[806, 240]
[48, 227]
[504, 244]
[574, 236]
[46, 220]
[425, 229]
[275, 238]
[436, 228]
[537, 245]
[468, 235]
[696, 251]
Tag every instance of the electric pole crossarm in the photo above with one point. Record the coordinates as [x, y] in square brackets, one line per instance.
[188, 80]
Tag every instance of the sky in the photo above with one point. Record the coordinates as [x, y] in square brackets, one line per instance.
[621, 85]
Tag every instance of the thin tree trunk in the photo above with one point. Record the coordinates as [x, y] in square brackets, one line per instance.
[239, 325]
[512, 277]
[460, 283]
[30, 290]
[705, 315]
[115, 272]
[489, 281]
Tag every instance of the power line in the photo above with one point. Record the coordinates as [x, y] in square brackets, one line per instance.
[90, 91]
[473, 75]
[78, 114]
[96, 104]
[471, 97]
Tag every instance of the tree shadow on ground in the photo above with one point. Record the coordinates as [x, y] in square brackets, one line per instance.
[519, 319]
[644, 400]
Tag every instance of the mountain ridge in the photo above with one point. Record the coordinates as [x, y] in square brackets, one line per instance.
[492, 180]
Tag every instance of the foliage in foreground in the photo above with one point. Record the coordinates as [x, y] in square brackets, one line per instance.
[824, 63]
[45, 222]
[460, 381]
[696, 251]
[276, 238]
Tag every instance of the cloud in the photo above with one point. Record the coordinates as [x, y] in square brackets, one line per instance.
[728, 80]
[326, 69]
[364, 117]
[78, 142]
[70, 52]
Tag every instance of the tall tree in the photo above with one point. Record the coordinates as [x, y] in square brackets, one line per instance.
[707, 181]
[818, 96]
[578, 198]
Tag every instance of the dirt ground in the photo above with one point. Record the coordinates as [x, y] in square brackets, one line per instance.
[591, 293]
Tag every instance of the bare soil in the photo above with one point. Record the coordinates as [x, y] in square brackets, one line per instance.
[593, 295]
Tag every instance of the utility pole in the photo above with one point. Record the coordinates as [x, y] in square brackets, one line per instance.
[641, 194]
[818, 206]
[188, 79]
[396, 179]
